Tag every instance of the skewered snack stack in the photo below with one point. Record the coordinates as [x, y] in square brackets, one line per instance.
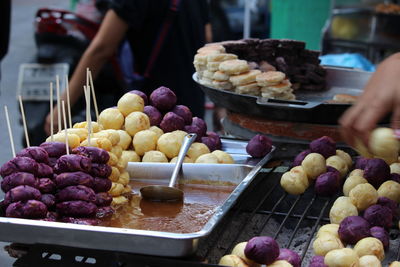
[23, 197]
[74, 201]
[101, 172]
[45, 174]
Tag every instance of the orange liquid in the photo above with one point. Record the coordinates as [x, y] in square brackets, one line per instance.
[199, 204]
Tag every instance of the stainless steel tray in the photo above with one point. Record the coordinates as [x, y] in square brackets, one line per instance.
[141, 241]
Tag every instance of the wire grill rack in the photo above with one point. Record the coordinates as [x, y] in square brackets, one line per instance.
[263, 209]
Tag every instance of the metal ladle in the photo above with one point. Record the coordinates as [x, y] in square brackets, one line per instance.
[170, 192]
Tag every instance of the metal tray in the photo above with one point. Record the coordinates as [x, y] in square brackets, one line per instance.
[310, 107]
[141, 241]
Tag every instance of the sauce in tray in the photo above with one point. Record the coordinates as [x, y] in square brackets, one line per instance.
[199, 204]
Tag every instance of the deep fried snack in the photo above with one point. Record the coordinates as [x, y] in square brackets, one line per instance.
[100, 170]
[76, 192]
[21, 193]
[101, 185]
[74, 178]
[46, 186]
[96, 155]
[76, 208]
[73, 163]
[19, 164]
[30, 209]
[49, 200]
[36, 153]
[54, 149]
[103, 199]
[19, 178]
[44, 170]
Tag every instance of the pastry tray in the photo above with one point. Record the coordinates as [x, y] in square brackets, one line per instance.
[309, 106]
[142, 241]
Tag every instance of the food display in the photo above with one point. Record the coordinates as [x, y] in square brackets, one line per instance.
[269, 68]
[362, 218]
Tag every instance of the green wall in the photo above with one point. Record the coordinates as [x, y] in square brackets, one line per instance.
[300, 20]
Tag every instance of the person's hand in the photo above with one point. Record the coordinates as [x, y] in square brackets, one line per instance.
[48, 121]
[381, 95]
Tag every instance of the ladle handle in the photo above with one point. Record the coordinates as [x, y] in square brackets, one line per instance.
[187, 141]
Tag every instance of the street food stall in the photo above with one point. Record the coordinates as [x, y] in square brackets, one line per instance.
[279, 188]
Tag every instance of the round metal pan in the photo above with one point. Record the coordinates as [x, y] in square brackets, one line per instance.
[310, 107]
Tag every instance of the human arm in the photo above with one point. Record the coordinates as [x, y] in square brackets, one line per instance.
[208, 33]
[381, 95]
[102, 47]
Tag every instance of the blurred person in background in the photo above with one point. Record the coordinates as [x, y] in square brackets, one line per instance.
[381, 96]
[5, 17]
[163, 35]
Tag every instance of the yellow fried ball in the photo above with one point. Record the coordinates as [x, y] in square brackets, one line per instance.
[96, 127]
[339, 164]
[314, 164]
[111, 118]
[383, 144]
[130, 156]
[325, 243]
[329, 229]
[223, 157]
[154, 156]
[73, 139]
[370, 246]
[157, 131]
[363, 196]
[351, 182]
[185, 160]
[136, 122]
[344, 257]
[342, 208]
[144, 141]
[129, 103]
[295, 181]
[169, 144]
[196, 150]
[102, 143]
[390, 189]
[207, 158]
[124, 139]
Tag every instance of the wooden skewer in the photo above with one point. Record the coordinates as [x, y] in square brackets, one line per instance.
[65, 126]
[21, 106]
[51, 113]
[87, 77]
[58, 103]
[88, 117]
[68, 102]
[94, 95]
[10, 131]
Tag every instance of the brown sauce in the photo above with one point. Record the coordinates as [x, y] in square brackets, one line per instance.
[200, 203]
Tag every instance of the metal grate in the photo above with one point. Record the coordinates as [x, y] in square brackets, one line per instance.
[263, 209]
[291, 220]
